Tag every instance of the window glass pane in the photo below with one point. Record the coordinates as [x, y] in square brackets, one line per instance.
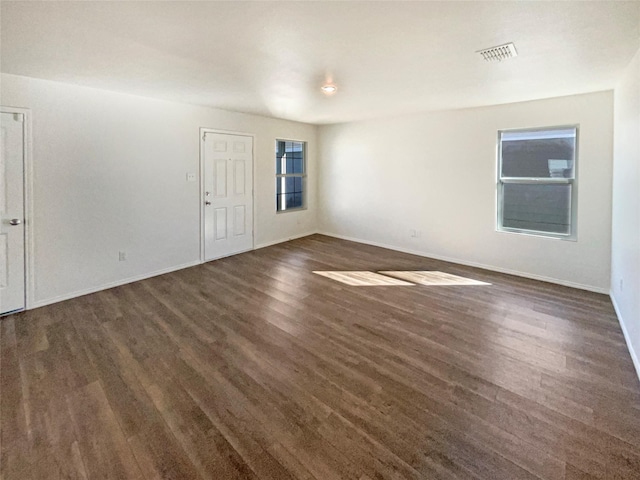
[284, 201]
[543, 208]
[289, 184]
[280, 153]
[290, 161]
[289, 192]
[289, 157]
[538, 154]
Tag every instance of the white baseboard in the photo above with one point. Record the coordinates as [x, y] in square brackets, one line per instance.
[79, 293]
[42, 303]
[282, 240]
[459, 261]
[627, 338]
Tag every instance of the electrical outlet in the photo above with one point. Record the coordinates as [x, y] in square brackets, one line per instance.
[191, 177]
[412, 233]
[122, 256]
[621, 285]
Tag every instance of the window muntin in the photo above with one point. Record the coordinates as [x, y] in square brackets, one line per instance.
[536, 181]
[290, 175]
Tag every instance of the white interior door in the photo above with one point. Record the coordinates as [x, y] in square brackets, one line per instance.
[228, 194]
[12, 239]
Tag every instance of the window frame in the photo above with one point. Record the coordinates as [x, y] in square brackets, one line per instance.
[302, 175]
[501, 181]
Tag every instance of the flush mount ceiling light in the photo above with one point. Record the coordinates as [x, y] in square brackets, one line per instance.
[499, 53]
[329, 89]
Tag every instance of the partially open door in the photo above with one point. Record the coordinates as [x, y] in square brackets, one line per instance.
[12, 212]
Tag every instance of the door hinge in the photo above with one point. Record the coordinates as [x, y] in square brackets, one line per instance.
[18, 117]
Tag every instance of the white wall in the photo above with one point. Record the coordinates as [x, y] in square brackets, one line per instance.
[625, 251]
[110, 175]
[436, 173]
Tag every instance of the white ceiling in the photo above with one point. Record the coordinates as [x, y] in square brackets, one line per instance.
[271, 57]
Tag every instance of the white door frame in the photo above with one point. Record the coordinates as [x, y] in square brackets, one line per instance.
[203, 132]
[29, 247]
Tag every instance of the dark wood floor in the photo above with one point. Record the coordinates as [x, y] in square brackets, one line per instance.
[254, 367]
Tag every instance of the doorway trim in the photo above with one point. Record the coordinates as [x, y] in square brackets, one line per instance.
[203, 132]
[29, 239]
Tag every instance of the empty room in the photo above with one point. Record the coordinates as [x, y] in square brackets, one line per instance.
[320, 240]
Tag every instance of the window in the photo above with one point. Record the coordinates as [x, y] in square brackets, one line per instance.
[290, 175]
[536, 181]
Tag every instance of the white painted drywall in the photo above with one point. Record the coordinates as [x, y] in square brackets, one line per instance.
[436, 173]
[625, 248]
[110, 175]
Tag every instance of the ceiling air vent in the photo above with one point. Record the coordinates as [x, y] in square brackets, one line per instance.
[499, 53]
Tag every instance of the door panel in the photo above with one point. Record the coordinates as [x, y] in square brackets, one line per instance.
[220, 176]
[239, 223]
[228, 185]
[4, 260]
[220, 215]
[239, 177]
[239, 147]
[12, 265]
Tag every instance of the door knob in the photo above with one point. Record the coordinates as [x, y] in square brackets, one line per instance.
[15, 221]
[207, 203]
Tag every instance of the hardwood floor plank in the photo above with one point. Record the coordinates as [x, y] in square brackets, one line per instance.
[31, 335]
[14, 448]
[127, 397]
[159, 454]
[212, 455]
[47, 376]
[104, 449]
[227, 414]
[12, 414]
[60, 465]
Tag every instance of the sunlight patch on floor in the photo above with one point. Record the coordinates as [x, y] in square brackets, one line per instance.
[432, 278]
[363, 279]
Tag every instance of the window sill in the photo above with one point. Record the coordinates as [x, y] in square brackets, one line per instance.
[532, 233]
[288, 210]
